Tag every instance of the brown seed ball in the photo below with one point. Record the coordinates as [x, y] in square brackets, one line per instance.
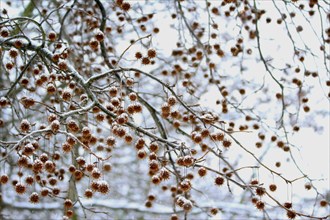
[152, 53]
[291, 214]
[138, 55]
[20, 188]
[214, 211]
[99, 36]
[103, 187]
[202, 172]
[174, 217]
[52, 36]
[287, 205]
[260, 205]
[88, 193]
[62, 65]
[25, 125]
[272, 187]
[94, 44]
[68, 204]
[34, 198]
[4, 179]
[125, 6]
[69, 213]
[308, 186]
[155, 179]
[145, 61]
[323, 203]
[219, 181]
[260, 191]
[44, 192]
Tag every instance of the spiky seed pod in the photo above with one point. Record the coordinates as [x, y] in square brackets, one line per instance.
[88, 193]
[219, 181]
[96, 174]
[4, 179]
[187, 206]
[151, 197]
[254, 182]
[52, 181]
[122, 119]
[154, 147]
[179, 200]
[78, 174]
[56, 191]
[145, 60]
[66, 95]
[103, 187]
[141, 154]
[113, 91]
[287, 205]
[29, 180]
[260, 205]
[44, 192]
[107, 167]
[148, 204]
[202, 171]
[69, 213]
[23, 161]
[125, 6]
[132, 96]
[272, 187]
[151, 53]
[130, 82]
[111, 141]
[291, 214]
[154, 165]
[226, 143]
[94, 44]
[90, 167]
[308, 186]
[66, 147]
[25, 126]
[260, 191]
[49, 166]
[13, 53]
[214, 211]
[52, 36]
[43, 157]
[164, 174]
[156, 179]
[138, 55]
[73, 126]
[99, 36]
[72, 168]
[62, 65]
[171, 100]
[28, 150]
[37, 165]
[70, 140]
[55, 126]
[153, 156]
[128, 138]
[95, 185]
[20, 188]
[34, 198]
[137, 107]
[68, 204]
[185, 185]
[323, 203]
[188, 160]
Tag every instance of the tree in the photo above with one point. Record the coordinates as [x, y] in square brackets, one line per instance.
[164, 109]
